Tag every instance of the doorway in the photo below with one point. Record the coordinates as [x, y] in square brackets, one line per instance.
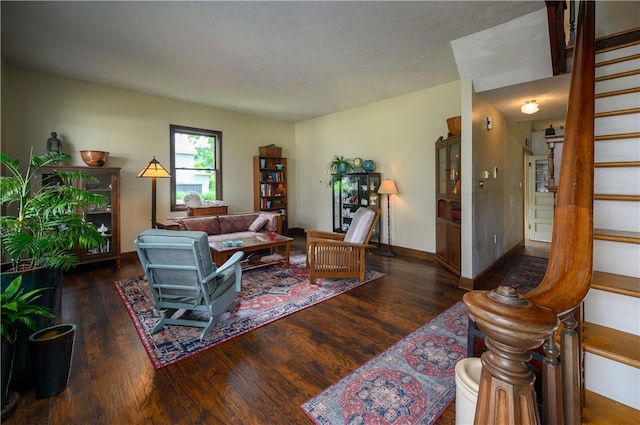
[540, 200]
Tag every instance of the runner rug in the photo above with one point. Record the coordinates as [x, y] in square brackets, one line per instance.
[412, 382]
[526, 274]
[268, 294]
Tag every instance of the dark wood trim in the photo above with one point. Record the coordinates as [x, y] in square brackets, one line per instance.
[469, 284]
[617, 40]
[555, 17]
[129, 256]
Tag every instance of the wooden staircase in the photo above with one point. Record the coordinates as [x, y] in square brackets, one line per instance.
[592, 284]
[611, 311]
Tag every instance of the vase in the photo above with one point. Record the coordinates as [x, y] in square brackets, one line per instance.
[8, 351]
[342, 168]
[51, 298]
[368, 166]
[52, 350]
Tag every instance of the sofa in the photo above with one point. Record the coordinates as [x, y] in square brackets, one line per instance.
[233, 226]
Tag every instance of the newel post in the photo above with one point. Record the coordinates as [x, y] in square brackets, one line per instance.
[513, 327]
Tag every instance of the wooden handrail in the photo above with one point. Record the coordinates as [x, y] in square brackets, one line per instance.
[514, 323]
[568, 276]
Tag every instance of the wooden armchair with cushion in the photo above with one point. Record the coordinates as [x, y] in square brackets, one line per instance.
[339, 255]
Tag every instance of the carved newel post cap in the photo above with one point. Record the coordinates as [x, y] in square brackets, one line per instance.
[507, 295]
[505, 315]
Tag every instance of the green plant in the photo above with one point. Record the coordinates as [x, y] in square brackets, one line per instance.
[19, 307]
[338, 166]
[48, 219]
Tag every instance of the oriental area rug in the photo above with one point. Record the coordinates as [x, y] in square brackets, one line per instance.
[268, 294]
[526, 273]
[413, 382]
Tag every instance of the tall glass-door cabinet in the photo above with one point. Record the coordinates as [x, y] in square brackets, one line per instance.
[351, 191]
[448, 214]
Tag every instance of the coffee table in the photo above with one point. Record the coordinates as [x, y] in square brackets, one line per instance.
[220, 252]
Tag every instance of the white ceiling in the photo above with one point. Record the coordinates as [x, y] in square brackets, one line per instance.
[291, 60]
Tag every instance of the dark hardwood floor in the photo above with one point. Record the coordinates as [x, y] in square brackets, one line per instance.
[258, 378]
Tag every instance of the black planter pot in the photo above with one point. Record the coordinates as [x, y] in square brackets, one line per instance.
[51, 297]
[51, 353]
[8, 351]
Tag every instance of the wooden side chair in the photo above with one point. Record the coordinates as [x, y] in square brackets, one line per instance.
[340, 255]
[183, 277]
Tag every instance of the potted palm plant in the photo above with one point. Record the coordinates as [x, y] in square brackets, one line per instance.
[338, 166]
[18, 307]
[42, 220]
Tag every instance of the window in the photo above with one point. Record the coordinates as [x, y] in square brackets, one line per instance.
[196, 164]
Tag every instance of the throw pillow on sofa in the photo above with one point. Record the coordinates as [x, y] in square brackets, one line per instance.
[236, 222]
[259, 223]
[209, 225]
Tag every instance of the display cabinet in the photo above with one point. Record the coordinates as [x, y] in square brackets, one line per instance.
[105, 217]
[270, 186]
[448, 213]
[351, 191]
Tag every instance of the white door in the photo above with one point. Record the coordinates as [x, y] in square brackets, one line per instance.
[540, 200]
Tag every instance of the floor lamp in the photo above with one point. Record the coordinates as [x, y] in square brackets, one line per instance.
[388, 187]
[153, 170]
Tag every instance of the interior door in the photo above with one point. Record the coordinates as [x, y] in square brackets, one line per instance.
[541, 201]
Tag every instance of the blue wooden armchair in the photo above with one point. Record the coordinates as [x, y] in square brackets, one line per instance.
[182, 277]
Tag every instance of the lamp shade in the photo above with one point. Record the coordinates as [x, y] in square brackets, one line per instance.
[154, 169]
[388, 187]
[530, 107]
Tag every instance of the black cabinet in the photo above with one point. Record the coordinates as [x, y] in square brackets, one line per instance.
[351, 191]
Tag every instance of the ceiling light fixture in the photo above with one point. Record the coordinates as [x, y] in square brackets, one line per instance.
[530, 107]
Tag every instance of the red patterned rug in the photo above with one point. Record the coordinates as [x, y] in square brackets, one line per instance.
[268, 294]
[412, 382]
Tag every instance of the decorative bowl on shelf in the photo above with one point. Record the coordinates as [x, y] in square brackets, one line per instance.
[94, 158]
[279, 166]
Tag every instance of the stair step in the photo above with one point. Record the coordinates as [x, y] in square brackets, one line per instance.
[616, 136]
[615, 257]
[616, 236]
[608, 197]
[612, 344]
[619, 102]
[617, 164]
[618, 92]
[618, 60]
[618, 284]
[619, 83]
[619, 180]
[629, 122]
[613, 150]
[616, 66]
[616, 113]
[600, 410]
[616, 214]
[618, 75]
[619, 43]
